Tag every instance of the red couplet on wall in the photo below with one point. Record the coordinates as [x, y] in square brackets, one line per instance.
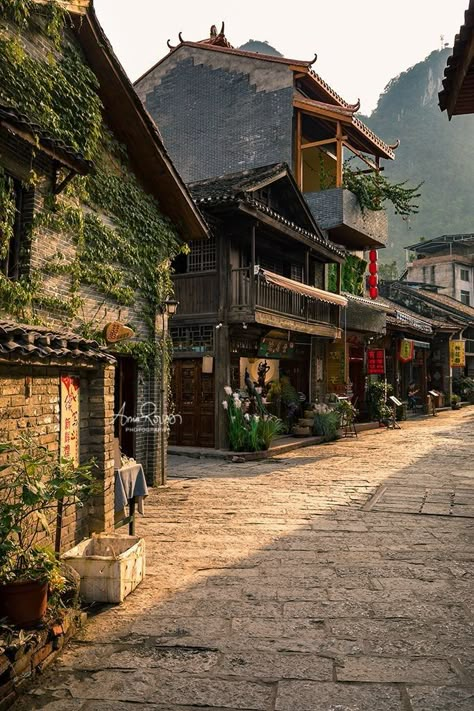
[373, 271]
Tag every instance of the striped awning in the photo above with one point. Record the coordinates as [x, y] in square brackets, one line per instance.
[299, 288]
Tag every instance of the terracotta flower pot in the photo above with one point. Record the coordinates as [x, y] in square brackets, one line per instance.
[24, 603]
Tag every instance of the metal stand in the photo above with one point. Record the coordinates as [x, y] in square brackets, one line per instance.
[348, 427]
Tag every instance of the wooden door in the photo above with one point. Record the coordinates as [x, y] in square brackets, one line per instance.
[193, 394]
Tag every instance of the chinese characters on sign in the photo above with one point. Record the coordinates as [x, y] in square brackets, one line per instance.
[275, 348]
[376, 361]
[336, 369]
[69, 442]
[457, 354]
[407, 350]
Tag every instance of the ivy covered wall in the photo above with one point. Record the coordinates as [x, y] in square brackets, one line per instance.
[101, 249]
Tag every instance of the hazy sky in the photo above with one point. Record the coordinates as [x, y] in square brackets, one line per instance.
[361, 44]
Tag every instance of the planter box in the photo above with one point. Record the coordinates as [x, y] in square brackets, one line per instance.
[110, 566]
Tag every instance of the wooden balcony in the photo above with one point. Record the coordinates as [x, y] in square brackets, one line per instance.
[338, 211]
[256, 299]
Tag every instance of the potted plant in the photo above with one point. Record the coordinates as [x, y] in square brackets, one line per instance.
[34, 488]
[455, 402]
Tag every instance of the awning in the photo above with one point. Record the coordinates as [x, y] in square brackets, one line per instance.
[305, 289]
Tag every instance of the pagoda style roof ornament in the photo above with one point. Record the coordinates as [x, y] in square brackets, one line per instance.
[354, 107]
[313, 61]
[395, 145]
[170, 46]
[180, 37]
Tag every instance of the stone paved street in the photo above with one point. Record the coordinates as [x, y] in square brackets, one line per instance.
[285, 586]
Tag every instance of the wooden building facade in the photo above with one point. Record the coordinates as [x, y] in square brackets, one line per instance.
[255, 293]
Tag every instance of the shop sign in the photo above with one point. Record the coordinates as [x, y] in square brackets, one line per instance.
[116, 331]
[407, 350]
[275, 348]
[336, 368]
[69, 431]
[376, 361]
[457, 354]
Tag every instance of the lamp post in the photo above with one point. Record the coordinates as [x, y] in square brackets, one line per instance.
[167, 309]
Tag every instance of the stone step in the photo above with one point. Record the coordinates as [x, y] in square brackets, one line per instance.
[302, 431]
[306, 421]
[308, 414]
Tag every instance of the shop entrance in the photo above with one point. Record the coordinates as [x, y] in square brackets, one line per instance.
[193, 395]
[125, 405]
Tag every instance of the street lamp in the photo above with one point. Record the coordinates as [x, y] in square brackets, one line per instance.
[168, 308]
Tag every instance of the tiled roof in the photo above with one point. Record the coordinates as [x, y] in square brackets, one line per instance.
[230, 185]
[442, 240]
[11, 118]
[457, 65]
[234, 188]
[375, 304]
[400, 316]
[26, 341]
[449, 302]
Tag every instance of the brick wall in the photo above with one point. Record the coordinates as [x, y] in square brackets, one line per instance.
[30, 405]
[220, 113]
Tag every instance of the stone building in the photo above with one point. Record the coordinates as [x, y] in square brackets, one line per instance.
[92, 211]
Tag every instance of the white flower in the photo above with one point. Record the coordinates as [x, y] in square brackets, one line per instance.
[258, 391]
[237, 404]
[256, 418]
[224, 404]
[228, 390]
[236, 396]
[247, 416]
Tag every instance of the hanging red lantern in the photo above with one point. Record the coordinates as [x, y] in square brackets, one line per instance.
[373, 278]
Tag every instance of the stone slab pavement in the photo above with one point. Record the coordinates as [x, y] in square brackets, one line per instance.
[284, 586]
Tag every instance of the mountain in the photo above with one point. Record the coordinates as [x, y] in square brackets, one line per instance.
[432, 149]
[260, 47]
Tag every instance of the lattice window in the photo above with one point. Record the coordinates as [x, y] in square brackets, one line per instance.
[192, 339]
[202, 257]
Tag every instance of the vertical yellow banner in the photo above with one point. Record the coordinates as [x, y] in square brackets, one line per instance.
[457, 354]
[69, 440]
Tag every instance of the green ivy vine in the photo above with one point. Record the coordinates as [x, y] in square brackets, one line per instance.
[373, 190]
[352, 278]
[123, 244]
[7, 213]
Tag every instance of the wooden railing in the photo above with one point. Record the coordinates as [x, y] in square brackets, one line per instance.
[249, 293]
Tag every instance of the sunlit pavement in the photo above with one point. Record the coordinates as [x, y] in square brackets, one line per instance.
[311, 582]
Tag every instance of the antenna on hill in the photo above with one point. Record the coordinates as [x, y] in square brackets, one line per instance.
[442, 41]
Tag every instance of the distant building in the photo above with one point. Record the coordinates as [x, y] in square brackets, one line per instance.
[446, 262]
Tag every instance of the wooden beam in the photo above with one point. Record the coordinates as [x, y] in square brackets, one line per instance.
[314, 144]
[339, 156]
[360, 155]
[319, 111]
[298, 153]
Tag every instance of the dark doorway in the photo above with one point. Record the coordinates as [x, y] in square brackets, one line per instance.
[193, 393]
[126, 383]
